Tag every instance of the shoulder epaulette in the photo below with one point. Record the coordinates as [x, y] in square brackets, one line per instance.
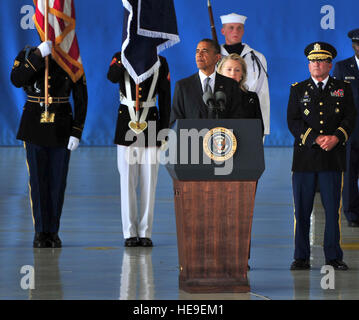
[294, 84]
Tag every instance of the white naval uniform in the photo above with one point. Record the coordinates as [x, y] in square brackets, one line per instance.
[137, 165]
[257, 81]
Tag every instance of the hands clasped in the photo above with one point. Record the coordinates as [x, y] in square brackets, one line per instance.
[327, 143]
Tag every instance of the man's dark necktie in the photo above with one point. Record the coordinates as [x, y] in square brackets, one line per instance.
[207, 87]
[320, 87]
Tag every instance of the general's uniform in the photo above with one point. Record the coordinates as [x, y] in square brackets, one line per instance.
[137, 154]
[46, 143]
[348, 70]
[312, 113]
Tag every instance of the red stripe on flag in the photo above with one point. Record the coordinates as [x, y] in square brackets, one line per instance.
[66, 53]
[74, 52]
[59, 5]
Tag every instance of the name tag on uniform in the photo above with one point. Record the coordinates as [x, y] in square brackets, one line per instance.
[349, 78]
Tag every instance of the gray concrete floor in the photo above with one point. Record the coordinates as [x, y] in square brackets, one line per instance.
[93, 264]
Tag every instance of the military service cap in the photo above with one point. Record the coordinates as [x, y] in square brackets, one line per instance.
[233, 18]
[320, 51]
[354, 35]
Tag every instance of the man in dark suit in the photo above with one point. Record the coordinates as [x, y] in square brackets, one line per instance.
[188, 95]
[321, 116]
[348, 70]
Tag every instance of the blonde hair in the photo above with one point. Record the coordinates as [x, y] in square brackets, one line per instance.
[235, 57]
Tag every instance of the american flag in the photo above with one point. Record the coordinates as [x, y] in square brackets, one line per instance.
[150, 26]
[61, 32]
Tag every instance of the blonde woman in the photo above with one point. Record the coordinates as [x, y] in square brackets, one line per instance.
[234, 66]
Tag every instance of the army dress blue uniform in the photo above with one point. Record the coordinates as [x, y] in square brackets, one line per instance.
[46, 143]
[309, 115]
[137, 153]
[313, 112]
[348, 70]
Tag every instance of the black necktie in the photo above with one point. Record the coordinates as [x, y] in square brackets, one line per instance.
[320, 86]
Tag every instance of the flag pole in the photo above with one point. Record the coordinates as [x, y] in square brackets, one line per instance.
[211, 21]
[47, 57]
[137, 105]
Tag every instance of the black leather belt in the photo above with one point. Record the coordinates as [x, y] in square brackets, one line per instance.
[50, 99]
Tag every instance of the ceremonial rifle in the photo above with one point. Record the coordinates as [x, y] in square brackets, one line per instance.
[211, 20]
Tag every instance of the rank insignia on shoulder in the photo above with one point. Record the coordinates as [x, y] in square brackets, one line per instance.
[114, 60]
[294, 84]
[16, 63]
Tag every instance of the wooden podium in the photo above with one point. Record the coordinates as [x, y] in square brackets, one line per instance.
[214, 212]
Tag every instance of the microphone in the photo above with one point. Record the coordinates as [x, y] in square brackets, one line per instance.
[221, 99]
[210, 102]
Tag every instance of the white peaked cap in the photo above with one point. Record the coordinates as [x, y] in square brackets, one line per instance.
[233, 18]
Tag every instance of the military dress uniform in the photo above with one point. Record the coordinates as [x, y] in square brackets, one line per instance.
[257, 75]
[137, 151]
[312, 112]
[348, 70]
[46, 142]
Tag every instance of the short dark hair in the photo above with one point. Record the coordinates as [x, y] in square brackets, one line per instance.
[214, 45]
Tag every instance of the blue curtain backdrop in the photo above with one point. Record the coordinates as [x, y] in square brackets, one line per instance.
[280, 29]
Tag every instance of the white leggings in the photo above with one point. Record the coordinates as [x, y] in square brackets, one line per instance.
[137, 164]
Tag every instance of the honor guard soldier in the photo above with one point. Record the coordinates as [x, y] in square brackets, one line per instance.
[48, 136]
[135, 138]
[257, 76]
[348, 70]
[321, 116]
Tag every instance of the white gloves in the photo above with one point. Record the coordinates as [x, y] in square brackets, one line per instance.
[73, 143]
[45, 48]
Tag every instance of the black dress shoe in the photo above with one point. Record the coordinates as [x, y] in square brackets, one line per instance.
[354, 224]
[337, 265]
[146, 242]
[54, 240]
[131, 242]
[40, 240]
[300, 264]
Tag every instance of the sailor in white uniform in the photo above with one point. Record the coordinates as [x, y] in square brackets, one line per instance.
[257, 77]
